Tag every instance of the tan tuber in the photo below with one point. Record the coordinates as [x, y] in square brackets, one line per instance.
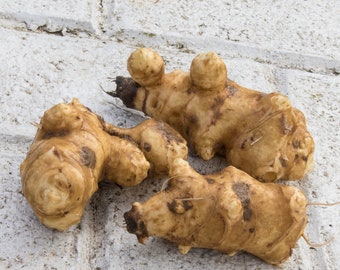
[259, 133]
[73, 150]
[228, 211]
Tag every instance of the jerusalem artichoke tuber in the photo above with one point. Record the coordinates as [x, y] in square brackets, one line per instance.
[160, 143]
[228, 211]
[72, 152]
[260, 133]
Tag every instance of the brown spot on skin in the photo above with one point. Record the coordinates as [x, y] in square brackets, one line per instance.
[210, 180]
[88, 157]
[193, 119]
[216, 109]
[186, 131]
[231, 90]
[286, 128]
[147, 147]
[296, 144]
[251, 230]
[283, 162]
[241, 190]
[243, 144]
[179, 206]
[168, 134]
[304, 158]
[63, 213]
[190, 91]
[56, 152]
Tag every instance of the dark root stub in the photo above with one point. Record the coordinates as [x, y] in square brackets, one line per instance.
[126, 90]
[135, 225]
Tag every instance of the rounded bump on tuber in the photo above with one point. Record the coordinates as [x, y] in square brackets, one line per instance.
[57, 119]
[145, 66]
[208, 72]
[184, 249]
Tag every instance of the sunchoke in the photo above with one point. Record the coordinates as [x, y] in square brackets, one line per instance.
[72, 151]
[228, 211]
[160, 143]
[259, 133]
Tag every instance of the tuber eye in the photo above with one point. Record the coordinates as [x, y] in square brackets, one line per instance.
[179, 206]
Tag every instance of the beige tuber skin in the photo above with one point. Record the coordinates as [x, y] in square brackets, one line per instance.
[259, 133]
[72, 151]
[160, 143]
[228, 211]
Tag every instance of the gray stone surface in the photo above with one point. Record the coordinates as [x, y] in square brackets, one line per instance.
[53, 51]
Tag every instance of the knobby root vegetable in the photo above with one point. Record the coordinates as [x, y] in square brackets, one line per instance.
[259, 133]
[72, 152]
[228, 211]
[160, 143]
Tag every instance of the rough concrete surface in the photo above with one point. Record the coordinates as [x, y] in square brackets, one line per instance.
[52, 51]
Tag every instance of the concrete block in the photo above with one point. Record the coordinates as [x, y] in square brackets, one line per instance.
[304, 27]
[52, 16]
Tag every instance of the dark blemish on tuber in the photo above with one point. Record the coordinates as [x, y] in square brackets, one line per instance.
[283, 162]
[63, 213]
[56, 152]
[241, 190]
[251, 230]
[216, 109]
[88, 157]
[243, 144]
[169, 136]
[286, 128]
[193, 119]
[231, 90]
[296, 144]
[147, 147]
[126, 90]
[134, 224]
[179, 206]
[210, 180]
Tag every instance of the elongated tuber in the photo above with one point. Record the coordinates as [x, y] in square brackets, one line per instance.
[259, 133]
[228, 211]
[72, 151]
[160, 143]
